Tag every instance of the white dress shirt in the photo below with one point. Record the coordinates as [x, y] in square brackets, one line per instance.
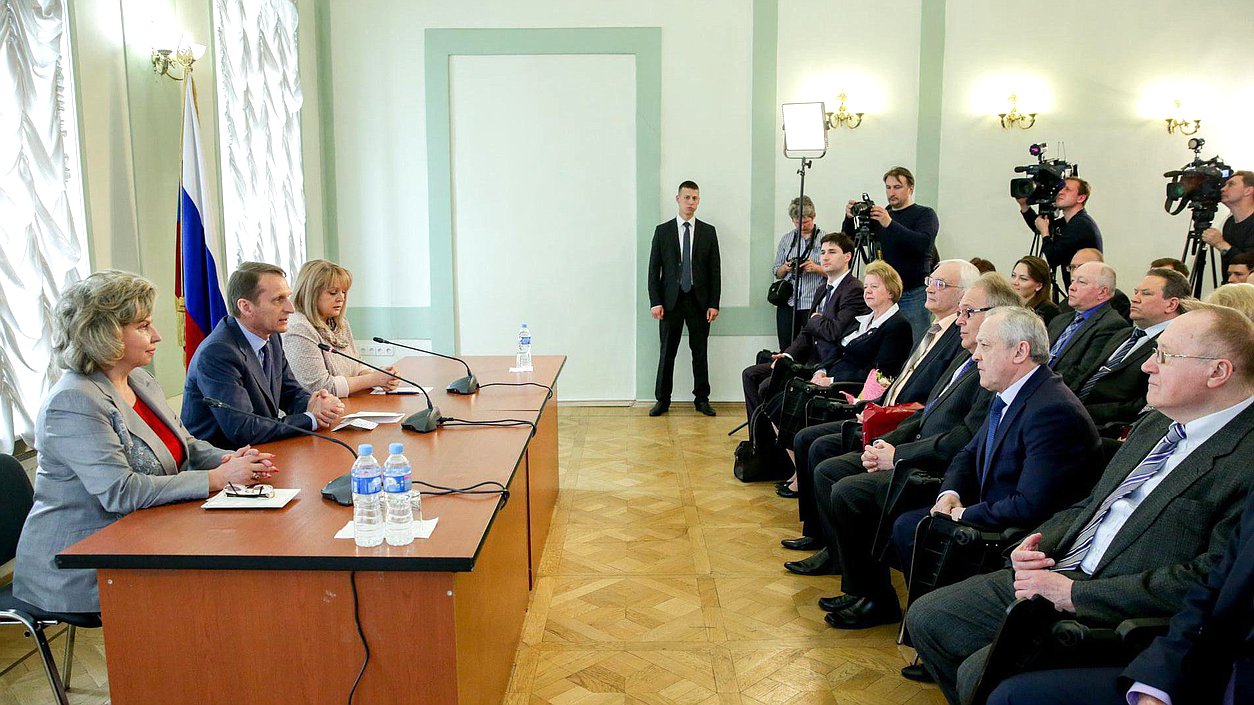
[692, 229]
[867, 322]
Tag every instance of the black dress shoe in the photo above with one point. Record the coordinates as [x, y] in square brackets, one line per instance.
[704, 407]
[660, 408]
[802, 543]
[786, 492]
[781, 484]
[818, 564]
[917, 673]
[837, 602]
[864, 613]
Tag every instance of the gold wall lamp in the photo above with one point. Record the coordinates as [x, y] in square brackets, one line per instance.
[1179, 123]
[1014, 118]
[842, 117]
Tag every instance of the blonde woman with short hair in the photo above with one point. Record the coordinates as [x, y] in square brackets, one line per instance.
[321, 300]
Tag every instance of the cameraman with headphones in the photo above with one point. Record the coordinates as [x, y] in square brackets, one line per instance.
[1238, 230]
[905, 235]
[1075, 231]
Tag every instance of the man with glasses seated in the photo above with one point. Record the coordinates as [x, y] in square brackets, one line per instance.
[1158, 520]
[1078, 340]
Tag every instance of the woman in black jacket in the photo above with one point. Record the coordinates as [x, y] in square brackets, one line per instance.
[883, 338]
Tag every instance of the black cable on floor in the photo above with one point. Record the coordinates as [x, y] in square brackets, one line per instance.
[352, 580]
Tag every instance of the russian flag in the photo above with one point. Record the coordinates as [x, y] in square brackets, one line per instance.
[196, 278]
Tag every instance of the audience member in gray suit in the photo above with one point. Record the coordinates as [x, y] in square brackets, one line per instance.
[108, 443]
[955, 410]
[1115, 392]
[1156, 523]
[1077, 341]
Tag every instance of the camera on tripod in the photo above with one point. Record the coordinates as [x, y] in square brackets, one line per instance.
[861, 212]
[1197, 185]
[1044, 180]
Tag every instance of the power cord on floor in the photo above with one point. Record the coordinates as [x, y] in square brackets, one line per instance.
[352, 581]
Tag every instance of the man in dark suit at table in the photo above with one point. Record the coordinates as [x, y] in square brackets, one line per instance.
[242, 364]
[1012, 473]
[1156, 523]
[1115, 393]
[1077, 341]
[835, 306]
[684, 281]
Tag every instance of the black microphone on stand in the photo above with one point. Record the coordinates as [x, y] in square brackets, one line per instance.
[340, 489]
[424, 421]
[463, 385]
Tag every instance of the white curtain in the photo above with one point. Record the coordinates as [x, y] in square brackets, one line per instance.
[42, 241]
[259, 101]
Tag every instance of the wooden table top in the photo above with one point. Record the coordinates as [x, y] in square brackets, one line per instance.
[299, 536]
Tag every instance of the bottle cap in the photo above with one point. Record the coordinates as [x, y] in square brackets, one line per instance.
[396, 448]
[365, 449]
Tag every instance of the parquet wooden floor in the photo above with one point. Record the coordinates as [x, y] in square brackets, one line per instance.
[662, 583]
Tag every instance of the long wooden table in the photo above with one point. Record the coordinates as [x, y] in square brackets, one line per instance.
[257, 606]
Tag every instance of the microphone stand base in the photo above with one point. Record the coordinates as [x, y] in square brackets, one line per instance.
[464, 385]
[424, 421]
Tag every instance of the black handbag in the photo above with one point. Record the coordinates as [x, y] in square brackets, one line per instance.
[761, 458]
[781, 289]
[807, 404]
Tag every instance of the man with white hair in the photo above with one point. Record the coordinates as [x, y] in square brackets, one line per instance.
[1077, 342]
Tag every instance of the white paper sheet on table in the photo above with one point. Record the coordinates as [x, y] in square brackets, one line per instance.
[422, 529]
[222, 501]
[368, 420]
[403, 389]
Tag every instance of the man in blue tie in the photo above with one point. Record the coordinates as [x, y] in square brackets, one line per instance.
[1012, 473]
[242, 364]
[1077, 341]
[684, 282]
[1155, 524]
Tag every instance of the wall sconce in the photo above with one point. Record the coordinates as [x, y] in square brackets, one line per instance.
[1181, 125]
[176, 63]
[1014, 118]
[843, 117]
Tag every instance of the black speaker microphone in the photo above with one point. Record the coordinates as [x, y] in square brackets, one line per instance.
[462, 385]
[424, 421]
[340, 489]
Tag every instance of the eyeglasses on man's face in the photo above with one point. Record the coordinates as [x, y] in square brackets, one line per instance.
[938, 284]
[1162, 357]
[968, 312]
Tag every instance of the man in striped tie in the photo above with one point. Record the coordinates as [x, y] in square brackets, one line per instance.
[1156, 522]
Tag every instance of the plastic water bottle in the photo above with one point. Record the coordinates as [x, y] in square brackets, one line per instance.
[367, 498]
[399, 529]
[523, 361]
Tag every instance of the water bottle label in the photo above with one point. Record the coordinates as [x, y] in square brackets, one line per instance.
[367, 485]
[396, 483]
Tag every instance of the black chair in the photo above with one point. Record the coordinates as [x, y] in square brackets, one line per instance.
[1034, 637]
[16, 498]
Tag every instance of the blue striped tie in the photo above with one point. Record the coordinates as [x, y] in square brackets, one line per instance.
[1063, 339]
[1149, 467]
[994, 420]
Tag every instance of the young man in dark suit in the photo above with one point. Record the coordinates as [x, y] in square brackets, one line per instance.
[684, 283]
[835, 306]
[242, 364]
[1156, 523]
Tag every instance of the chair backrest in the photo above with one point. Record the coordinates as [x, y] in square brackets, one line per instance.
[16, 498]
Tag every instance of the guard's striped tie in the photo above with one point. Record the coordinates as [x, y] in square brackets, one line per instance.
[1149, 467]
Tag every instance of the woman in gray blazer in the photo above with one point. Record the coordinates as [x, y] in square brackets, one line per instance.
[107, 442]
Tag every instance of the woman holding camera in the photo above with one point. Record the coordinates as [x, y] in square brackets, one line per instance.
[797, 247]
[108, 443]
[1030, 279]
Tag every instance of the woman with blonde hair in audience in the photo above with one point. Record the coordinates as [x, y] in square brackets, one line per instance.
[107, 442]
[1238, 296]
[882, 340]
[1030, 279]
[321, 298]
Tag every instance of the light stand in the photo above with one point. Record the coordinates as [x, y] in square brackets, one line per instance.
[805, 138]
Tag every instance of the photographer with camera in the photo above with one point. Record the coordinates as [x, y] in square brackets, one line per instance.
[798, 248]
[1237, 235]
[904, 235]
[1071, 231]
